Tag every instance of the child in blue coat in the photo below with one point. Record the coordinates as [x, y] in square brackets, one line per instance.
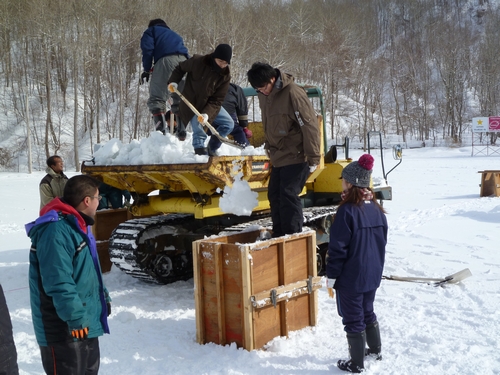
[355, 261]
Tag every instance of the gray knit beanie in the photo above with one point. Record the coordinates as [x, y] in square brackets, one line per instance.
[358, 173]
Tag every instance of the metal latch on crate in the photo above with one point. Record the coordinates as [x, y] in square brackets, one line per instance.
[285, 292]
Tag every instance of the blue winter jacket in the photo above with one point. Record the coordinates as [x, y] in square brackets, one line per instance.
[66, 287]
[159, 41]
[356, 251]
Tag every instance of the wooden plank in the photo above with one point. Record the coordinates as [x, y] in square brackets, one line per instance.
[209, 293]
[219, 285]
[198, 292]
[313, 272]
[266, 324]
[265, 265]
[298, 313]
[283, 249]
[232, 294]
[296, 263]
[247, 311]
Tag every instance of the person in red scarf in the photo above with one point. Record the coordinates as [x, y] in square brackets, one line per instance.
[69, 303]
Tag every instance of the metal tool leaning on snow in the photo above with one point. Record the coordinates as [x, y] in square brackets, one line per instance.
[451, 279]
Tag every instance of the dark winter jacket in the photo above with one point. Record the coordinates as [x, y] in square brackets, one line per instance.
[159, 41]
[66, 287]
[290, 124]
[112, 197]
[205, 87]
[235, 102]
[51, 186]
[356, 251]
[8, 353]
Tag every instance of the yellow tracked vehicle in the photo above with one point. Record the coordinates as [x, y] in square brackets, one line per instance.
[152, 239]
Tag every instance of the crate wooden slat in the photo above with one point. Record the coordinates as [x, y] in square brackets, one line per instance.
[105, 222]
[237, 280]
[490, 183]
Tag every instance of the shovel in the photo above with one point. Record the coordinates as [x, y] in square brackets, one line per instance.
[206, 123]
[451, 279]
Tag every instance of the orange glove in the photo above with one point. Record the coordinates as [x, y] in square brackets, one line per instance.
[80, 334]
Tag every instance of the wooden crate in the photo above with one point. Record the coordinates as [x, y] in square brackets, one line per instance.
[249, 292]
[490, 183]
[105, 222]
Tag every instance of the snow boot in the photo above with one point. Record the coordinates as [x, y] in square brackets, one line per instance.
[201, 151]
[373, 341]
[181, 130]
[159, 122]
[357, 343]
[213, 145]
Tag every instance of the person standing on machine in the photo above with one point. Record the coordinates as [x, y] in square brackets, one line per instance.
[162, 49]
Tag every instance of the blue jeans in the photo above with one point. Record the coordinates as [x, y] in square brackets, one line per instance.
[223, 123]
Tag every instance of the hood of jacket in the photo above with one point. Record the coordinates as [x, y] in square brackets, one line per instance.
[52, 211]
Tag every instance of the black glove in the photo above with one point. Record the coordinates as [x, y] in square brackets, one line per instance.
[80, 334]
[243, 123]
[144, 76]
[108, 304]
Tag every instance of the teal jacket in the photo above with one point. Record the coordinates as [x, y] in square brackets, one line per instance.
[66, 287]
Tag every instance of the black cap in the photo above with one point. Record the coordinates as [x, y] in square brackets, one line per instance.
[223, 52]
[157, 21]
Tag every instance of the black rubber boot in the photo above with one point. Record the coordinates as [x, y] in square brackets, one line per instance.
[357, 343]
[213, 145]
[159, 122]
[181, 130]
[201, 151]
[373, 341]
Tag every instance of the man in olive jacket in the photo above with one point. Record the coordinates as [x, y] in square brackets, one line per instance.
[206, 86]
[52, 185]
[292, 143]
[69, 302]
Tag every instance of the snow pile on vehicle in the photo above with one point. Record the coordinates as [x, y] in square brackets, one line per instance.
[160, 149]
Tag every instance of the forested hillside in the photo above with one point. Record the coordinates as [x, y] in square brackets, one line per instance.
[420, 69]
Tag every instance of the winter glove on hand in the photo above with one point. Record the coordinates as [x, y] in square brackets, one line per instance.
[243, 123]
[144, 76]
[312, 168]
[80, 334]
[172, 86]
[248, 133]
[109, 308]
[329, 287]
[203, 118]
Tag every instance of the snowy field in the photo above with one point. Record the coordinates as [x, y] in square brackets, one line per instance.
[438, 225]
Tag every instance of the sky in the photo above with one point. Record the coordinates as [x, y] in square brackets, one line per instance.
[438, 225]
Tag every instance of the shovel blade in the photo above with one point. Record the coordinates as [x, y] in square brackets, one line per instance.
[456, 277]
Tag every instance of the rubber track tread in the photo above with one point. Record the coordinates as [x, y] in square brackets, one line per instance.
[124, 242]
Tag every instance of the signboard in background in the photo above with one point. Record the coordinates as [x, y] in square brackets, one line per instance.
[486, 124]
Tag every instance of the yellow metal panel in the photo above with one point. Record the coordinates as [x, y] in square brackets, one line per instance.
[187, 205]
[329, 179]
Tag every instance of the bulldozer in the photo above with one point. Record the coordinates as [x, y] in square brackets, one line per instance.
[152, 239]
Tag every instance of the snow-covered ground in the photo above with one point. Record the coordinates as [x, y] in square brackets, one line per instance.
[438, 225]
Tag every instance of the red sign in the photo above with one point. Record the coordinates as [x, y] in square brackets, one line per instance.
[494, 125]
